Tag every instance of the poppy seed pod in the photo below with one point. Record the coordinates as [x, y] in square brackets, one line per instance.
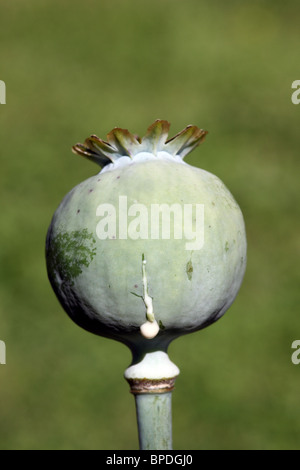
[150, 248]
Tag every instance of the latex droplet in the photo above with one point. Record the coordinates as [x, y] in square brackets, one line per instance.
[149, 329]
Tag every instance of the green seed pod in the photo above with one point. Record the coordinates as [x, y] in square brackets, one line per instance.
[150, 248]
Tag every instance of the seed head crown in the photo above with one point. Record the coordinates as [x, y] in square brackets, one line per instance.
[121, 143]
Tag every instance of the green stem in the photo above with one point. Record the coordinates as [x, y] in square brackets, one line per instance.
[152, 379]
[154, 418]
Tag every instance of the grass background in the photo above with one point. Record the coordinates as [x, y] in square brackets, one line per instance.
[76, 68]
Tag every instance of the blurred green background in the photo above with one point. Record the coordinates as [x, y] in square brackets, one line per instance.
[82, 67]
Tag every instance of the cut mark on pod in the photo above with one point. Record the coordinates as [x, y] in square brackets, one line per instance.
[189, 270]
[150, 328]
